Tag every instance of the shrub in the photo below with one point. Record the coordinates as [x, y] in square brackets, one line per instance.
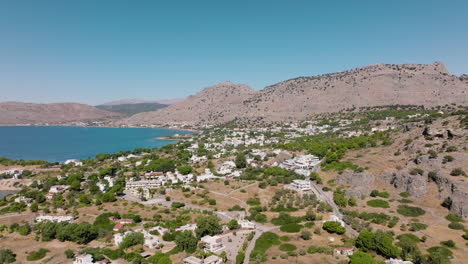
[285, 238]
[69, 253]
[404, 194]
[448, 158]
[37, 255]
[417, 226]
[291, 228]
[410, 211]
[454, 218]
[458, 172]
[456, 226]
[416, 171]
[360, 257]
[405, 201]
[7, 256]
[306, 235]
[287, 247]
[334, 227]
[448, 243]
[378, 203]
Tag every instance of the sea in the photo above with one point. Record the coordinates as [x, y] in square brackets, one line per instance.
[59, 143]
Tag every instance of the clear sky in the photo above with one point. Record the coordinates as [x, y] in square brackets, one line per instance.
[93, 51]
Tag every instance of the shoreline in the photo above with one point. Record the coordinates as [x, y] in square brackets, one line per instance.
[107, 126]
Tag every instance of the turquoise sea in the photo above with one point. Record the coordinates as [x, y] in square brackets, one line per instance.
[56, 143]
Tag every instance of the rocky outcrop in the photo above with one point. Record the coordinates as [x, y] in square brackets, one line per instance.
[14, 113]
[358, 184]
[416, 185]
[456, 193]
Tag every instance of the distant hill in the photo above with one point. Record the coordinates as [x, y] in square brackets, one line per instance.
[296, 99]
[15, 113]
[132, 108]
[140, 101]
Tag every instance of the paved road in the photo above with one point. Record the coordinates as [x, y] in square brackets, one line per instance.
[321, 195]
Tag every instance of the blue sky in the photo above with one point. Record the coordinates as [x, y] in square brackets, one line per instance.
[97, 51]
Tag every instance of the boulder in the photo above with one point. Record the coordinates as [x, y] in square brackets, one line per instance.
[359, 183]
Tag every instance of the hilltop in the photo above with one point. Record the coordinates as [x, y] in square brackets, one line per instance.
[15, 113]
[296, 99]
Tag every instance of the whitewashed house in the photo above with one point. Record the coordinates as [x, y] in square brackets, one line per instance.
[213, 244]
[84, 259]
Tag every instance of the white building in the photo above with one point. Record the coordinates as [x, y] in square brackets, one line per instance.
[226, 167]
[56, 219]
[308, 162]
[14, 173]
[246, 224]
[84, 259]
[209, 260]
[190, 227]
[75, 162]
[342, 251]
[26, 200]
[301, 185]
[213, 244]
[335, 218]
[397, 261]
[122, 159]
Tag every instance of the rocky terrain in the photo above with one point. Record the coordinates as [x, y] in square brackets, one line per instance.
[424, 156]
[220, 103]
[297, 99]
[14, 113]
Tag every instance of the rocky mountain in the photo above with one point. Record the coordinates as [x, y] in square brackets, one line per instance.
[296, 99]
[15, 113]
[133, 108]
[216, 104]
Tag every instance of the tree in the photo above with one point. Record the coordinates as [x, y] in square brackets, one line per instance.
[360, 257]
[310, 215]
[385, 245]
[132, 239]
[184, 170]
[365, 241]
[305, 235]
[233, 224]
[207, 226]
[240, 161]
[186, 241]
[334, 227]
[7, 256]
[34, 207]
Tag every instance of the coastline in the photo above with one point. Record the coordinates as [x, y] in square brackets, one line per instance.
[106, 126]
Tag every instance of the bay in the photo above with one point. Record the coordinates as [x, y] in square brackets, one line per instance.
[59, 143]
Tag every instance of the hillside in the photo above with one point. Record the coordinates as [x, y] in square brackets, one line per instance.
[14, 113]
[216, 104]
[131, 109]
[296, 99]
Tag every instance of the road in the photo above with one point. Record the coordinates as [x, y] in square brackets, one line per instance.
[321, 195]
[260, 229]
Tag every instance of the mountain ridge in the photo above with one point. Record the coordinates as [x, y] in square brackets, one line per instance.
[296, 99]
[17, 113]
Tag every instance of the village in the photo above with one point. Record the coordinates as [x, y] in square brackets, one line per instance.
[208, 199]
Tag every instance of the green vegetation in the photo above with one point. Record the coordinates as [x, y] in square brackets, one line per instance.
[334, 227]
[417, 226]
[410, 211]
[7, 256]
[405, 194]
[458, 172]
[132, 239]
[291, 228]
[287, 247]
[360, 257]
[379, 242]
[37, 255]
[263, 243]
[456, 226]
[376, 193]
[378, 203]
